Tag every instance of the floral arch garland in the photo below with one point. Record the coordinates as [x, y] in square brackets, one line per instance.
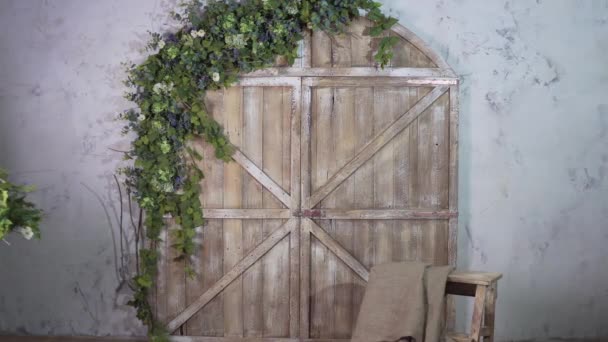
[217, 42]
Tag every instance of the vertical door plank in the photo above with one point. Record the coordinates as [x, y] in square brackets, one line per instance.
[402, 53]
[321, 50]
[323, 265]
[305, 279]
[432, 176]
[341, 51]
[385, 111]
[402, 232]
[344, 134]
[291, 182]
[253, 113]
[453, 198]
[361, 43]
[211, 319]
[363, 191]
[176, 280]
[233, 232]
[276, 262]
[161, 278]
[439, 150]
[305, 190]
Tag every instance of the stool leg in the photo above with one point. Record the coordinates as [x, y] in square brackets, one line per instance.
[478, 306]
[490, 312]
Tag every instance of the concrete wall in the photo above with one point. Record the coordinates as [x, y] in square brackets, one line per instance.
[534, 151]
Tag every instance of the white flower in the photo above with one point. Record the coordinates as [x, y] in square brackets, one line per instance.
[141, 117]
[158, 88]
[216, 77]
[198, 34]
[26, 232]
[161, 44]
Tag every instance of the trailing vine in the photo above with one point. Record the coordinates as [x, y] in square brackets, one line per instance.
[216, 43]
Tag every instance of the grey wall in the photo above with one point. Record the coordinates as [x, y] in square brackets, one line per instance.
[534, 155]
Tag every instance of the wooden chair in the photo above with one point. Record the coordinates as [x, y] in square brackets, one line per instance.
[482, 286]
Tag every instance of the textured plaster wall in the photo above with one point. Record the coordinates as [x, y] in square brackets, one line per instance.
[534, 155]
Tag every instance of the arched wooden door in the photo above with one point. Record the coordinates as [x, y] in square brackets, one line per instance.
[340, 166]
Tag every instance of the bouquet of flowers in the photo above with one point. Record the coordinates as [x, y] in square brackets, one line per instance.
[16, 213]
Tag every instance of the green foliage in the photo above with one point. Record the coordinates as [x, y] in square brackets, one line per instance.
[17, 214]
[216, 43]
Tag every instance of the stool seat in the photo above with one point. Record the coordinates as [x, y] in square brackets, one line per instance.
[478, 278]
[482, 286]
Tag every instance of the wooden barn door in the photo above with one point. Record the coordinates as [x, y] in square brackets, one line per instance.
[339, 167]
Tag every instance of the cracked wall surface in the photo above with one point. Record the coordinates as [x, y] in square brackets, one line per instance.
[533, 172]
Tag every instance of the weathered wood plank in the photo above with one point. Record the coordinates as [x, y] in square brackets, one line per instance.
[161, 278]
[395, 81]
[276, 262]
[386, 110]
[259, 175]
[247, 214]
[252, 135]
[478, 308]
[360, 44]
[423, 47]
[420, 76]
[176, 276]
[307, 49]
[294, 281]
[291, 179]
[362, 237]
[233, 339]
[338, 250]
[321, 49]
[323, 263]
[305, 278]
[305, 189]
[402, 237]
[212, 318]
[344, 139]
[231, 276]
[489, 314]
[341, 51]
[233, 230]
[477, 278]
[306, 148]
[380, 140]
[453, 197]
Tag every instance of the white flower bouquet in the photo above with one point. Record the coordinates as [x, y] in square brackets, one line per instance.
[16, 213]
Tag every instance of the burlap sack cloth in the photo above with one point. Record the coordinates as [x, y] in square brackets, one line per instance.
[403, 302]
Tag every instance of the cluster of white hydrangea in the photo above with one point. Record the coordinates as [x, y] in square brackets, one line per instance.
[26, 232]
[162, 88]
[197, 34]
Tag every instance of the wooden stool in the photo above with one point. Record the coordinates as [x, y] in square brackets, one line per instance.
[482, 286]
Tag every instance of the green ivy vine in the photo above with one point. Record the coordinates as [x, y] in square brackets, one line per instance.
[216, 43]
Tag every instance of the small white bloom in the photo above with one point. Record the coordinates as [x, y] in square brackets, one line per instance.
[201, 33]
[141, 117]
[169, 87]
[194, 33]
[158, 88]
[216, 77]
[161, 44]
[26, 232]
